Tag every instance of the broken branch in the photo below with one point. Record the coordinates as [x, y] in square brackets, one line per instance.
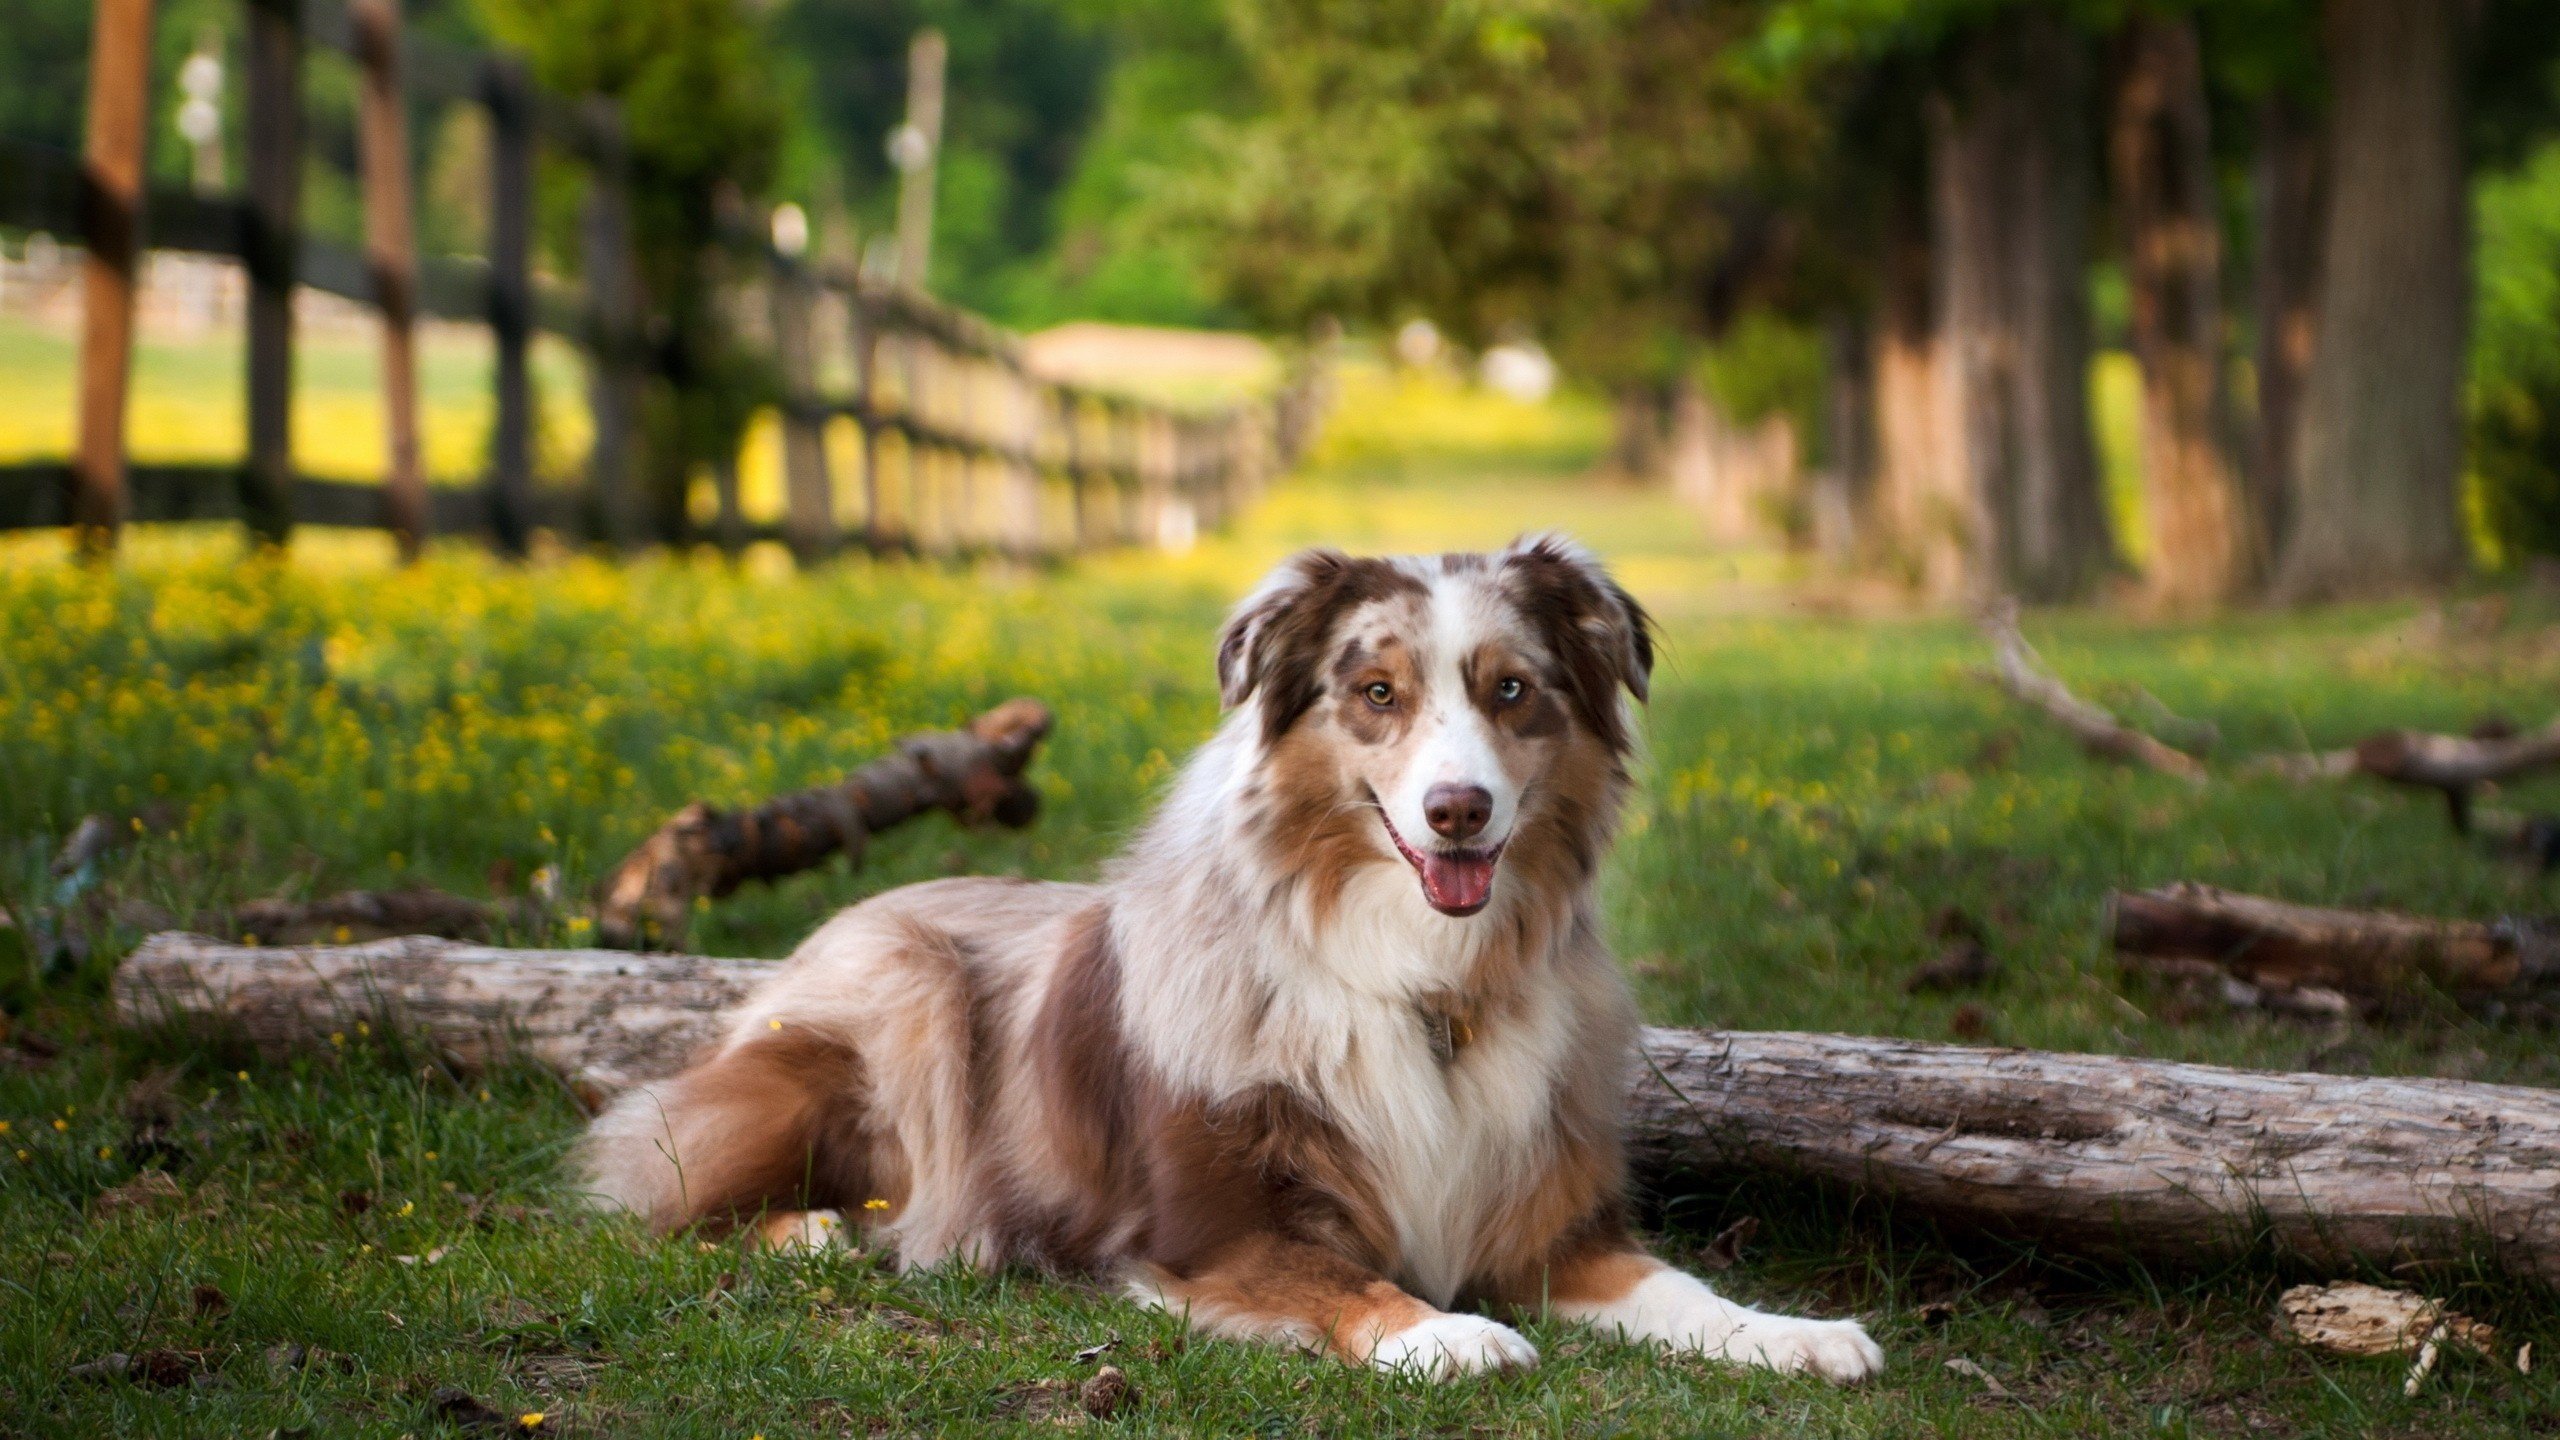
[975, 774]
[2305, 952]
[2022, 673]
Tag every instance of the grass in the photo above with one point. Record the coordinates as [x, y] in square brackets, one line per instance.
[1818, 788]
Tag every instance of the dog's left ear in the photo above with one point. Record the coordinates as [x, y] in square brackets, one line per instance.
[1255, 628]
[1596, 629]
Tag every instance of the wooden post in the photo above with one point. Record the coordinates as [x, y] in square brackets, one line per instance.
[271, 253]
[810, 507]
[1025, 411]
[508, 95]
[1072, 461]
[613, 326]
[729, 526]
[111, 227]
[915, 149]
[391, 253]
[866, 409]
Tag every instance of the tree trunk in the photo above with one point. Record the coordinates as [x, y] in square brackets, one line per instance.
[1924, 524]
[2286, 200]
[2161, 152]
[2376, 503]
[2011, 167]
[1640, 424]
[2094, 1152]
[1842, 489]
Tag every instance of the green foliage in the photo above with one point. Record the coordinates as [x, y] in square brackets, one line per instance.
[1024, 81]
[703, 119]
[2515, 357]
[1580, 172]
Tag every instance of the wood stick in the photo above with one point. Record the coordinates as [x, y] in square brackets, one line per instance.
[111, 231]
[2369, 956]
[2098, 1154]
[976, 774]
[391, 254]
[2022, 673]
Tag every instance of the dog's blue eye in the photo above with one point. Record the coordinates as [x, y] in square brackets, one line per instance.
[1509, 690]
[1380, 693]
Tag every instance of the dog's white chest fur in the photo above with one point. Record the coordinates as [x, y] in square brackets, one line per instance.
[1445, 1141]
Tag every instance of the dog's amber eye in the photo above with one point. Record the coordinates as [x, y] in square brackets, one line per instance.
[1510, 690]
[1380, 693]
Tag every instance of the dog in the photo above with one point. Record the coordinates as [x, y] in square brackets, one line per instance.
[1331, 1056]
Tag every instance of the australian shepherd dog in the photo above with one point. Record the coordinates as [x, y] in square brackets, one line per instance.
[1333, 1056]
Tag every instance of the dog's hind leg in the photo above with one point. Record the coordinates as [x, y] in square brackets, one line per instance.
[766, 1124]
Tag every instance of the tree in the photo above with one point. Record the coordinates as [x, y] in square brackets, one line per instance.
[2376, 504]
[2011, 170]
[2204, 544]
[704, 123]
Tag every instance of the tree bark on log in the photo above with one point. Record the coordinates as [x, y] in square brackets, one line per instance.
[976, 774]
[2368, 956]
[2117, 1156]
[2101, 1154]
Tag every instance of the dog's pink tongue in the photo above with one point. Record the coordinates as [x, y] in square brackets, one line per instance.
[1457, 883]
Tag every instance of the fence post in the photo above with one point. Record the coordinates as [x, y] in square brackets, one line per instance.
[866, 408]
[1022, 468]
[613, 325]
[111, 226]
[509, 98]
[271, 253]
[392, 256]
[915, 149]
[809, 492]
[1071, 460]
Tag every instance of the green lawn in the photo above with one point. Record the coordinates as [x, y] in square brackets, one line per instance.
[1818, 788]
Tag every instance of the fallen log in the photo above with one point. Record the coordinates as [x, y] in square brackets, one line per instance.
[2021, 672]
[378, 914]
[2304, 953]
[605, 1019]
[2096, 1153]
[975, 774]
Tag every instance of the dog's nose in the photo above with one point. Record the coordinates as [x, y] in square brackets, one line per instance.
[1458, 812]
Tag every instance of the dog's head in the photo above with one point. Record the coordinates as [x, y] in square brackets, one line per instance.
[1450, 705]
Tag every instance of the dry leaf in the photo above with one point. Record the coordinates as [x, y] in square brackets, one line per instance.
[146, 1188]
[1107, 1393]
[1990, 1383]
[1725, 1251]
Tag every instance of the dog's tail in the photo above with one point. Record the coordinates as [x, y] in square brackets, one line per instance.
[768, 1123]
[844, 1085]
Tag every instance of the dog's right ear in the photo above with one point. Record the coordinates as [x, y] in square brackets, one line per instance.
[1257, 628]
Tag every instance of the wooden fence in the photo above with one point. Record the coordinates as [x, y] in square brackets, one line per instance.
[960, 449]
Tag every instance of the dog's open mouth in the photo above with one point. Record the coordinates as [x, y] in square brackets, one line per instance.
[1456, 882]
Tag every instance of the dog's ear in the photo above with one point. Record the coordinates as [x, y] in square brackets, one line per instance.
[1597, 631]
[1256, 628]
[1274, 644]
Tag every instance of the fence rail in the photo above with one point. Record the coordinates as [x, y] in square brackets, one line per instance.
[961, 447]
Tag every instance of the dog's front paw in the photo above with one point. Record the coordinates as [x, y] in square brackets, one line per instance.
[1445, 1347]
[1837, 1350]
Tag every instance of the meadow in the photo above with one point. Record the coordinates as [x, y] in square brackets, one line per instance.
[352, 1230]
